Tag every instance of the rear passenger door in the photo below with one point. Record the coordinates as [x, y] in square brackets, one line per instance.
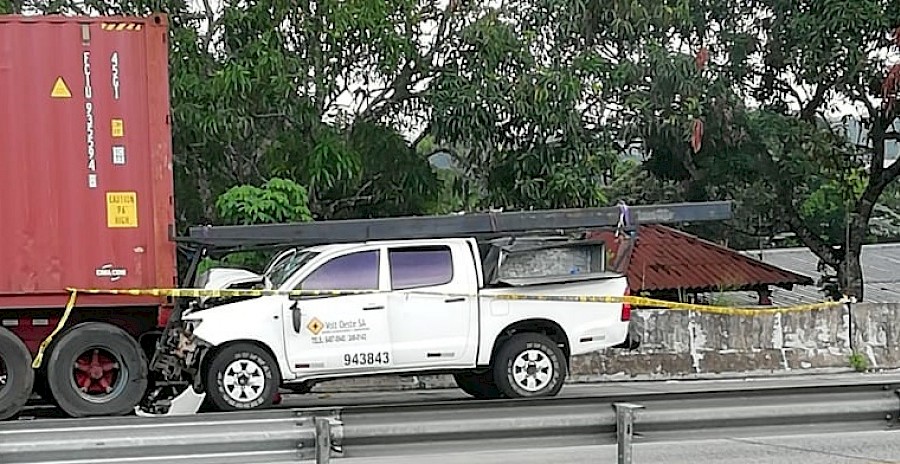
[431, 311]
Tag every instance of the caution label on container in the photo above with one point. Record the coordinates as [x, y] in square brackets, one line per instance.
[121, 210]
[117, 127]
[60, 89]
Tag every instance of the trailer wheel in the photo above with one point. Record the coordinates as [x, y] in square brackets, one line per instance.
[16, 374]
[478, 384]
[242, 376]
[530, 365]
[97, 369]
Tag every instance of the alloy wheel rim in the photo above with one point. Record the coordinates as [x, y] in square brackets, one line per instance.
[243, 381]
[98, 375]
[532, 370]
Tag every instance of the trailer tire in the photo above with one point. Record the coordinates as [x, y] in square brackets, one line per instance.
[530, 365]
[242, 376]
[15, 367]
[478, 384]
[97, 369]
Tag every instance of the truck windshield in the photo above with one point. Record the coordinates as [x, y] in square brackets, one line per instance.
[282, 270]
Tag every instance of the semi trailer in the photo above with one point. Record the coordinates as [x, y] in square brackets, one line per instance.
[87, 202]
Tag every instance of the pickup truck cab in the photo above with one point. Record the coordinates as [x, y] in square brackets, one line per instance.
[422, 306]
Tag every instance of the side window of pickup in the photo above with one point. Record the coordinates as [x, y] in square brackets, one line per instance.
[426, 266]
[355, 271]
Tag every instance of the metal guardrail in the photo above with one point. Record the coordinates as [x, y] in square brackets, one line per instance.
[323, 435]
[265, 436]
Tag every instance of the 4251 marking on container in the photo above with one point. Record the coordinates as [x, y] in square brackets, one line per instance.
[367, 359]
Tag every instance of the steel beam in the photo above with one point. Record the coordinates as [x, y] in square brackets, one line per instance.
[476, 225]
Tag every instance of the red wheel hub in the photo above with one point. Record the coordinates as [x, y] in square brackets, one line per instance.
[96, 371]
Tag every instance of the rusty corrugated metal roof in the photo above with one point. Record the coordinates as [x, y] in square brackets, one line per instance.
[668, 259]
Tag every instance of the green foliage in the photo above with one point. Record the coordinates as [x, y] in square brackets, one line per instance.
[278, 200]
[692, 66]
[517, 111]
[858, 361]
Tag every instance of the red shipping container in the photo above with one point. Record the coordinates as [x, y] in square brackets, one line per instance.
[86, 183]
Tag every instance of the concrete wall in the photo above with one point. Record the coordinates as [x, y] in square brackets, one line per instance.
[681, 344]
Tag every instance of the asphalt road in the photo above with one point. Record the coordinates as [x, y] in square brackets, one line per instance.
[873, 447]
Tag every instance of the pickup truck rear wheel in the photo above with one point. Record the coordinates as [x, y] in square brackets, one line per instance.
[242, 376]
[529, 365]
[478, 384]
[16, 374]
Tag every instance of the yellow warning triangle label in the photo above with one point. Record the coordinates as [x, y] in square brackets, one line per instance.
[60, 89]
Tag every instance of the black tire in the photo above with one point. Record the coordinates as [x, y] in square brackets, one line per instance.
[97, 369]
[17, 375]
[544, 356]
[246, 361]
[478, 384]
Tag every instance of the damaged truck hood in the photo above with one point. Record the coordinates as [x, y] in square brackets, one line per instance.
[227, 278]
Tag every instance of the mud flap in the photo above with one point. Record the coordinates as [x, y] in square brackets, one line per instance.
[632, 340]
[186, 403]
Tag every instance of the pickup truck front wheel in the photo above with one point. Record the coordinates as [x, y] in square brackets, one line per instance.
[530, 365]
[242, 376]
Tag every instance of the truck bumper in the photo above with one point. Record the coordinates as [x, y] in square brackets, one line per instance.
[178, 362]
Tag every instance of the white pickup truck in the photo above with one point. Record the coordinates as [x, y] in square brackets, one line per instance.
[431, 310]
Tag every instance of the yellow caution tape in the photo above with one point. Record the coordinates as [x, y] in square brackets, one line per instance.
[62, 321]
[204, 292]
[635, 300]
[641, 301]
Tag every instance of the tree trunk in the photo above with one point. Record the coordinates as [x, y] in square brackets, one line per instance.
[850, 276]
[204, 191]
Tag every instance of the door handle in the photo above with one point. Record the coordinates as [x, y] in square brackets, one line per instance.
[372, 308]
[455, 300]
[296, 317]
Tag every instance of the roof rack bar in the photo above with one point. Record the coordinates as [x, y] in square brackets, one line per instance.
[476, 225]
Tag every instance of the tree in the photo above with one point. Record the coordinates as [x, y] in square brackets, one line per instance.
[735, 99]
[312, 92]
[514, 104]
[266, 101]
[277, 201]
